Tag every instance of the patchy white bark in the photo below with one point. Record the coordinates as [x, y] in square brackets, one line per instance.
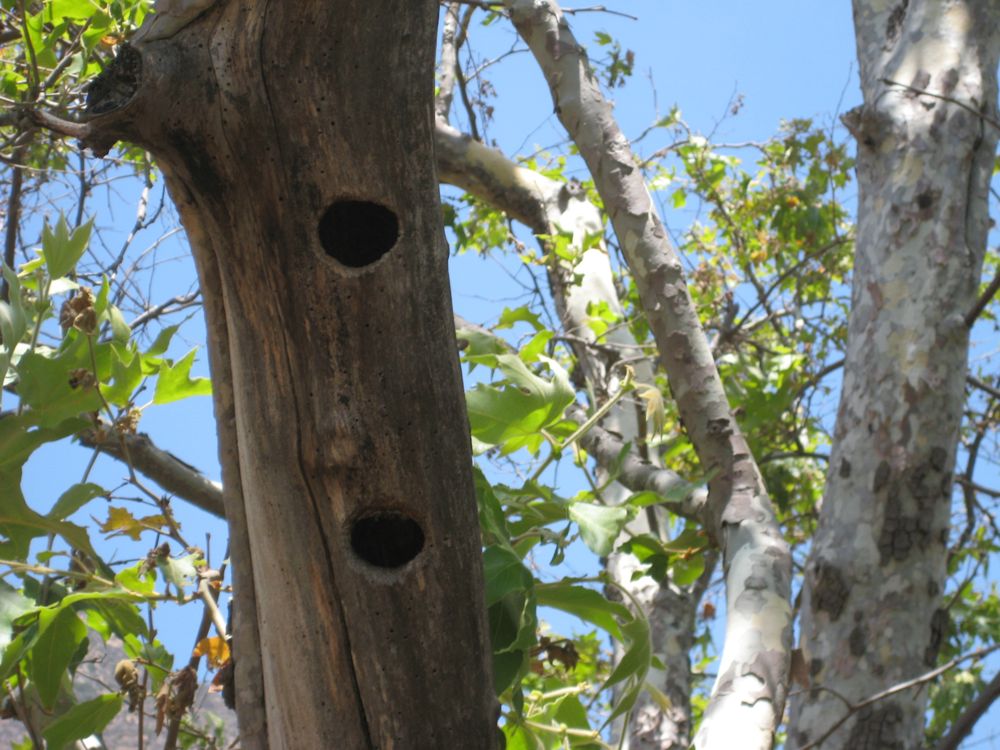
[547, 207]
[926, 137]
[749, 694]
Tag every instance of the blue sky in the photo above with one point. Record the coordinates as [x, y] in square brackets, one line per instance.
[784, 59]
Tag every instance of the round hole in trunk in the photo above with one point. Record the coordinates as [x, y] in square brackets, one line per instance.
[357, 233]
[386, 539]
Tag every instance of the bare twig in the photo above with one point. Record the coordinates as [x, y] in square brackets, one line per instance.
[942, 97]
[13, 222]
[853, 708]
[985, 387]
[963, 725]
[984, 299]
[174, 304]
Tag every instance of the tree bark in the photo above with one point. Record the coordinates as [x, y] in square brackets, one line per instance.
[749, 694]
[297, 139]
[872, 602]
[548, 206]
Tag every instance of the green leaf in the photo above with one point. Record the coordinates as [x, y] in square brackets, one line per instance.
[107, 617]
[586, 604]
[60, 632]
[75, 498]
[162, 342]
[119, 328]
[507, 667]
[13, 322]
[46, 385]
[686, 570]
[638, 655]
[505, 573]
[20, 524]
[519, 315]
[491, 517]
[514, 411]
[16, 651]
[76, 10]
[126, 371]
[175, 382]
[82, 720]
[599, 525]
[13, 604]
[137, 580]
[62, 248]
[179, 571]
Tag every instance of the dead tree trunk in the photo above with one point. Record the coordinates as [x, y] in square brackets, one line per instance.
[296, 139]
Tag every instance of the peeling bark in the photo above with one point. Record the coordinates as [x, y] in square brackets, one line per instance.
[548, 206]
[749, 694]
[874, 581]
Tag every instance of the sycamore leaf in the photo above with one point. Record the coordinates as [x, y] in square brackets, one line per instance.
[60, 632]
[178, 570]
[514, 411]
[175, 382]
[13, 604]
[75, 498]
[82, 720]
[599, 525]
[505, 573]
[586, 604]
[121, 522]
[63, 248]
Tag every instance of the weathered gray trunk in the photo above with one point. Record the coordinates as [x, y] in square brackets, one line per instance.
[872, 614]
[296, 139]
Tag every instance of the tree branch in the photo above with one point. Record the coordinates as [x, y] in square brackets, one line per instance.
[962, 726]
[448, 62]
[984, 299]
[741, 517]
[853, 708]
[168, 471]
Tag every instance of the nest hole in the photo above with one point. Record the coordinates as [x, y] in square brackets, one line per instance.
[386, 539]
[357, 233]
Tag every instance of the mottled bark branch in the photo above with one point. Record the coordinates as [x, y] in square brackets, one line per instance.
[447, 62]
[872, 609]
[749, 695]
[638, 474]
[548, 206]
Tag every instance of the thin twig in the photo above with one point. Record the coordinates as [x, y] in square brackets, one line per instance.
[942, 97]
[984, 299]
[962, 726]
[985, 387]
[889, 692]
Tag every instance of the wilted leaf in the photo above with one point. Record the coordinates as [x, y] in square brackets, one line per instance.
[215, 649]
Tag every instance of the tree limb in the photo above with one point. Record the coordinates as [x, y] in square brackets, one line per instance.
[962, 726]
[749, 695]
[168, 471]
